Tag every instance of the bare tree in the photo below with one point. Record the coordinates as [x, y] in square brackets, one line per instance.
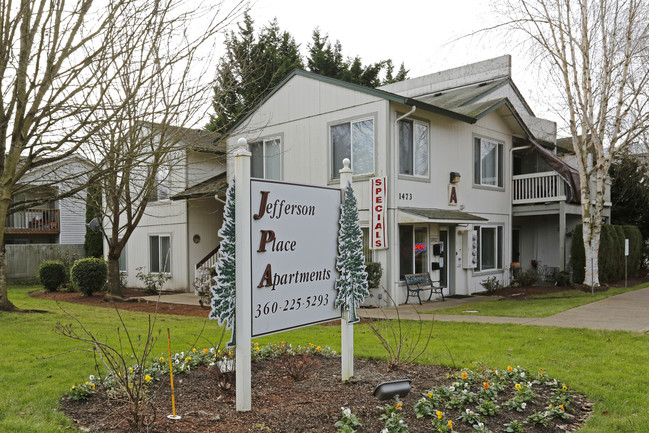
[169, 86]
[60, 63]
[596, 53]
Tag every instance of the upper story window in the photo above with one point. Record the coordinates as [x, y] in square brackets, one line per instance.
[487, 162]
[266, 159]
[162, 183]
[413, 148]
[353, 140]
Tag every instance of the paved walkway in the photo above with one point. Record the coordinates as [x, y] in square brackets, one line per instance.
[625, 312]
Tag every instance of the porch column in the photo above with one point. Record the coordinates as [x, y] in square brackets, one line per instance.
[562, 236]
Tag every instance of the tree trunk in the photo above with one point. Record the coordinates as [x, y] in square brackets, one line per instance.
[5, 303]
[114, 286]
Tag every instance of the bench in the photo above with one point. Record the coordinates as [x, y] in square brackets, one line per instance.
[416, 283]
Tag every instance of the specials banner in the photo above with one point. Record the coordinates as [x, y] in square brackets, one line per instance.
[378, 229]
[294, 245]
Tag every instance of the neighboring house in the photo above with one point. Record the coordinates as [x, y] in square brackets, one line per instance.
[179, 228]
[46, 228]
[473, 180]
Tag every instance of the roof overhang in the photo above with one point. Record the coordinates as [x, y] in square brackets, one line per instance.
[216, 185]
[411, 215]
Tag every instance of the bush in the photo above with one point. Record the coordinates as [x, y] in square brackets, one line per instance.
[526, 278]
[374, 273]
[578, 255]
[89, 275]
[633, 234]
[491, 284]
[51, 274]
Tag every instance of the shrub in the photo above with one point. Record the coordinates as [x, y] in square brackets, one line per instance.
[51, 274]
[578, 255]
[491, 284]
[89, 275]
[374, 273]
[632, 233]
[526, 278]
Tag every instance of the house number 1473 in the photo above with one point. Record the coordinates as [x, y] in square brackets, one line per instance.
[405, 196]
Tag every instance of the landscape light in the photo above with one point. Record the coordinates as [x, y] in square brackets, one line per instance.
[392, 389]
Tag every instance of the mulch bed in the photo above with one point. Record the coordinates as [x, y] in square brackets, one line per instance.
[282, 404]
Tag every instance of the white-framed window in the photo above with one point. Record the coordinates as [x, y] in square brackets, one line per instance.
[367, 252]
[487, 162]
[353, 140]
[162, 184]
[160, 254]
[413, 148]
[266, 162]
[413, 250]
[490, 247]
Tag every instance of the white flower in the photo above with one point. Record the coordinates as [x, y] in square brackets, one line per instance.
[385, 430]
[400, 421]
[523, 374]
[347, 412]
[523, 405]
[451, 388]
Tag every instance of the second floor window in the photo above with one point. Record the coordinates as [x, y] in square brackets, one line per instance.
[353, 140]
[413, 148]
[266, 159]
[162, 182]
[487, 162]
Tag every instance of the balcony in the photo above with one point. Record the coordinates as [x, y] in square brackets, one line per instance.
[539, 188]
[34, 221]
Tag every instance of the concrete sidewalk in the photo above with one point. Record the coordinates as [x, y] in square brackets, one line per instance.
[625, 312]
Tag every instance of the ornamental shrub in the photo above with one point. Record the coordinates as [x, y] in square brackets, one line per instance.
[633, 234]
[374, 273]
[89, 275]
[578, 255]
[51, 274]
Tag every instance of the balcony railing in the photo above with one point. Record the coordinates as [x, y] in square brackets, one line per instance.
[539, 188]
[34, 221]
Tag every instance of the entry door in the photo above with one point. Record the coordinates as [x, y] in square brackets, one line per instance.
[443, 271]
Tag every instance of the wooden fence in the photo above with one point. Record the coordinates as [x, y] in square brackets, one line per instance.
[23, 259]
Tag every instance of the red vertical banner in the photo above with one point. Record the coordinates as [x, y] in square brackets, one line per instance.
[378, 229]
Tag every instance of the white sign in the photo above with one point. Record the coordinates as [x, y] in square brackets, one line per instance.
[626, 247]
[294, 245]
[378, 238]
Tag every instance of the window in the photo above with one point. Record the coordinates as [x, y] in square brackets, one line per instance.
[122, 260]
[413, 256]
[160, 254]
[487, 162]
[367, 252]
[161, 186]
[353, 140]
[266, 159]
[490, 247]
[413, 148]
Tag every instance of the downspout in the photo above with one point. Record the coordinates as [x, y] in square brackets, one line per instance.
[393, 273]
[508, 275]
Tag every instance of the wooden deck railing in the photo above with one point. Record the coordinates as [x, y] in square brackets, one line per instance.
[34, 221]
[539, 188]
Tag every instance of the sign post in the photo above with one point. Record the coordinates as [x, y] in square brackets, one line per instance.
[346, 328]
[243, 278]
[626, 258]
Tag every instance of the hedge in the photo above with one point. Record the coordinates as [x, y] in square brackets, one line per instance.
[611, 252]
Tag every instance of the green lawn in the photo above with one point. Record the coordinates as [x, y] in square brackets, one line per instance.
[610, 367]
[538, 306]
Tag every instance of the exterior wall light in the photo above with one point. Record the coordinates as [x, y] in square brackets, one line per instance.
[392, 389]
[455, 177]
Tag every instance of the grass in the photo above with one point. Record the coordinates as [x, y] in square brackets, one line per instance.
[609, 367]
[536, 306]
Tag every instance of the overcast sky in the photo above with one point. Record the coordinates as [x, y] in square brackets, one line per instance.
[421, 33]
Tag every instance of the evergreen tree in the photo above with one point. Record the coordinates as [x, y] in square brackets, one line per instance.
[352, 283]
[94, 242]
[251, 67]
[223, 292]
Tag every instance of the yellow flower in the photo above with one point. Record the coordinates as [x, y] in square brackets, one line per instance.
[561, 406]
[398, 405]
[194, 349]
[509, 368]
[450, 424]
[550, 407]
[147, 378]
[189, 358]
[430, 395]
[161, 359]
[564, 387]
[464, 375]
[518, 386]
[485, 385]
[439, 414]
[130, 369]
[74, 387]
[318, 348]
[119, 373]
[93, 386]
[541, 370]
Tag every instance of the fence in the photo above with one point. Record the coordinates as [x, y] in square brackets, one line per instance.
[23, 259]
